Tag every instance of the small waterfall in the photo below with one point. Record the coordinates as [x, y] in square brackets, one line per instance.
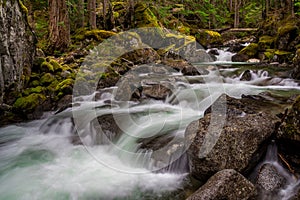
[290, 183]
[224, 56]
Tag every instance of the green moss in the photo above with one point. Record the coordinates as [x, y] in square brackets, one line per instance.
[287, 28]
[47, 79]
[65, 86]
[282, 53]
[269, 53]
[207, 37]
[34, 83]
[98, 35]
[23, 8]
[29, 103]
[251, 50]
[52, 86]
[47, 67]
[56, 65]
[266, 42]
[38, 89]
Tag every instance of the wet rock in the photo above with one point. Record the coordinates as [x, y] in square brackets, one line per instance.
[142, 56]
[236, 47]
[250, 51]
[226, 184]
[239, 57]
[246, 76]
[269, 181]
[213, 52]
[147, 81]
[237, 144]
[107, 125]
[156, 91]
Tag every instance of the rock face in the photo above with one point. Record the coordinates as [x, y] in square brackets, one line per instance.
[226, 184]
[16, 47]
[239, 145]
[290, 128]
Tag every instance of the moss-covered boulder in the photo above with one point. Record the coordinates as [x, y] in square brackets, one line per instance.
[47, 79]
[46, 67]
[96, 34]
[29, 103]
[286, 35]
[269, 54]
[266, 42]
[283, 56]
[65, 87]
[250, 51]
[38, 89]
[208, 37]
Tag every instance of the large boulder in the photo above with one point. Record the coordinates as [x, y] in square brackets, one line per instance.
[250, 51]
[17, 48]
[288, 135]
[290, 128]
[238, 145]
[226, 184]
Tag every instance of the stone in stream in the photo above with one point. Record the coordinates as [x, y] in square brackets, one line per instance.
[269, 181]
[246, 76]
[241, 142]
[226, 184]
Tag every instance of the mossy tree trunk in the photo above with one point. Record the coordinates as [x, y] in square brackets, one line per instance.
[59, 26]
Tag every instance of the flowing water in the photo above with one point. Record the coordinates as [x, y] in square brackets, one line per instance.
[40, 160]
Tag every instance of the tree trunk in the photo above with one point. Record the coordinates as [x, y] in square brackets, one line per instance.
[81, 12]
[105, 5]
[59, 25]
[236, 13]
[92, 14]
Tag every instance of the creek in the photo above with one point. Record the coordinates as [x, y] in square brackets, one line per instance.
[40, 160]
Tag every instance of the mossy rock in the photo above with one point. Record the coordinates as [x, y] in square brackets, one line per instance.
[29, 103]
[288, 28]
[47, 79]
[266, 42]
[66, 86]
[38, 89]
[47, 67]
[269, 54]
[208, 37]
[55, 64]
[290, 128]
[251, 50]
[283, 56]
[98, 35]
[34, 83]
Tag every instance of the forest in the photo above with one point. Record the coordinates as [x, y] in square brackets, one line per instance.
[150, 100]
